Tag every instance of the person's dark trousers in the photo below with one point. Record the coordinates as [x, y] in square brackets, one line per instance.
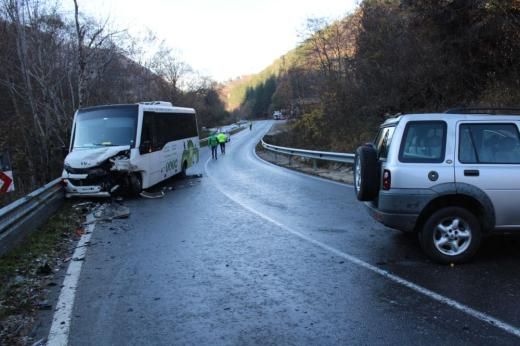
[223, 147]
[214, 152]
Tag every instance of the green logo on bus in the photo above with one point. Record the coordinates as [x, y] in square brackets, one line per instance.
[190, 155]
[171, 165]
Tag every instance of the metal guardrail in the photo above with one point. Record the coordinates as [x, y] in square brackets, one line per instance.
[204, 141]
[312, 154]
[27, 213]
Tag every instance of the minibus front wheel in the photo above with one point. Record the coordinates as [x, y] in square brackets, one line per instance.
[136, 184]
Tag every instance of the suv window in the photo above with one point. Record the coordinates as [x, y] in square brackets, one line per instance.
[489, 143]
[423, 142]
[383, 140]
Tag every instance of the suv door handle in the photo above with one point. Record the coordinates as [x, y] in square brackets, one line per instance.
[471, 172]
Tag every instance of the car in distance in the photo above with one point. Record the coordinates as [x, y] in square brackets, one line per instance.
[451, 177]
[278, 115]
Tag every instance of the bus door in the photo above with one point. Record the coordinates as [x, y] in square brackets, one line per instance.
[150, 150]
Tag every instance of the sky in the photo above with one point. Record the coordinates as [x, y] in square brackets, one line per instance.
[222, 39]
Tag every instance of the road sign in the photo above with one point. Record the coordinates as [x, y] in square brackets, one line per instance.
[6, 181]
[6, 173]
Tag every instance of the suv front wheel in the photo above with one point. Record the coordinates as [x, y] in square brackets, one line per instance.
[451, 235]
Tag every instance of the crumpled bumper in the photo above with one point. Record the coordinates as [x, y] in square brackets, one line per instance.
[72, 190]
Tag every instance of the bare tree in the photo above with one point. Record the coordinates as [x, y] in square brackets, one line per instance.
[171, 68]
[96, 48]
[34, 78]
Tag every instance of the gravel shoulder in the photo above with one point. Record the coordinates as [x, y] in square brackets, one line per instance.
[31, 275]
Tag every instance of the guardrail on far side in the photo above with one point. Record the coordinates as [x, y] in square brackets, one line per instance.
[26, 214]
[204, 141]
[312, 154]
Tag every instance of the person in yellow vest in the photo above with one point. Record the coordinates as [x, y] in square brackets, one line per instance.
[213, 143]
[222, 138]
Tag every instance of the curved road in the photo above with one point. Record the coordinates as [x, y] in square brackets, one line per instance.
[256, 254]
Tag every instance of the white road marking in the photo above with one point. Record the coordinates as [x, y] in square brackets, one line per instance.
[392, 277]
[59, 333]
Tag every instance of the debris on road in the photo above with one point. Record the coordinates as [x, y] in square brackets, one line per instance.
[152, 195]
[84, 207]
[162, 189]
[44, 305]
[109, 212]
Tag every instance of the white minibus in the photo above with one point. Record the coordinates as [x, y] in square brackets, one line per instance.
[127, 148]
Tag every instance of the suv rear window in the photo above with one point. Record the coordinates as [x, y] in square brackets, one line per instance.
[383, 140]
[489, 143]
[423, 142]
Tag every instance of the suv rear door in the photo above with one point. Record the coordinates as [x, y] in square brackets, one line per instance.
[425, 156]
[488, 157]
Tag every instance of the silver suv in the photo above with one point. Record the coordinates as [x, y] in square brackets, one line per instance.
[452, 177]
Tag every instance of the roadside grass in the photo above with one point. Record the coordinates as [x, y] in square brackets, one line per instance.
[26, 273]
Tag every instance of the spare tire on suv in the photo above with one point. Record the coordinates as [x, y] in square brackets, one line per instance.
[366, 173]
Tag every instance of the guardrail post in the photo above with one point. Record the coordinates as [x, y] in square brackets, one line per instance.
[290, 160]
[314, 165]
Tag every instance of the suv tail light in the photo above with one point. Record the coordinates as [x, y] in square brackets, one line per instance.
[387, 180]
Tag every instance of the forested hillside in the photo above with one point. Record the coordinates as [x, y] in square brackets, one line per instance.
[392, 56]
[51, 64]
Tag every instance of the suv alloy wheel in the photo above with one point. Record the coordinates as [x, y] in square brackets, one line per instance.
[450, 235]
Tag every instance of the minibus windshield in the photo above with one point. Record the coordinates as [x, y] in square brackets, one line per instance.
[106, 126]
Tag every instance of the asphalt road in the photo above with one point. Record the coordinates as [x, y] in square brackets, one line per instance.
[255, 254]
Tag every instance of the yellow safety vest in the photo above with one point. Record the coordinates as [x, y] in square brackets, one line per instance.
[221, 138]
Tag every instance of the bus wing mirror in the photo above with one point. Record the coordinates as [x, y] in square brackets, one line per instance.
[145, 147]
[64, 151]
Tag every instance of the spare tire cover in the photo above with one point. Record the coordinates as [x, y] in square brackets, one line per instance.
[366, 173]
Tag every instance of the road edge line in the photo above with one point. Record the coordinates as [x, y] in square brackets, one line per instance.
[60, 328]
[481, 316]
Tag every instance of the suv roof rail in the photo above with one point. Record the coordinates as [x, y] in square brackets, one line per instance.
[488, 110]
[157, 103]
